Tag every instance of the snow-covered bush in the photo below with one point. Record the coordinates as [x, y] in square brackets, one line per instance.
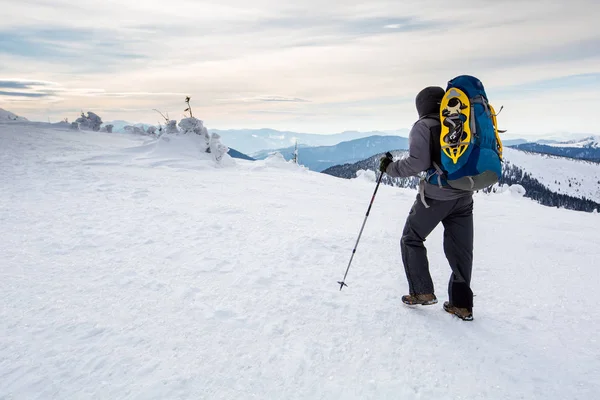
[171, 127]
[195, 126]
[516, 189]
[366, 175]
[151, 130]
[134, 129]
[74, 126]
[91, 122]
[192, 139]
[107, 128]
[217, 149]
[277, 160]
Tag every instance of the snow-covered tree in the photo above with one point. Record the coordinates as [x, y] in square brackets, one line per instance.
[91, 122]
[295, 156]
[217, 149]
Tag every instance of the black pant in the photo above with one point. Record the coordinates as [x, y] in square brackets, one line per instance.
[457, 218]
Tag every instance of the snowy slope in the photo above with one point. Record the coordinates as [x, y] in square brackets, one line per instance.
[575, 178]
[9, 116]
[591, 141]
[134, 274]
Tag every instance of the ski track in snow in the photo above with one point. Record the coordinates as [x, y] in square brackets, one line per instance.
[126, 276]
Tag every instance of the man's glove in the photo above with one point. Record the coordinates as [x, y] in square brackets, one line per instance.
[385, 162]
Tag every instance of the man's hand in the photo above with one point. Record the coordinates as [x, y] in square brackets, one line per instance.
[385, 162]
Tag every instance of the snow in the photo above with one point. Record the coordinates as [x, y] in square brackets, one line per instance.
[366, 175]
[568, 176]
[131, 272]
[514, 190]
[276, 160]
[591, 141]
[9, 116]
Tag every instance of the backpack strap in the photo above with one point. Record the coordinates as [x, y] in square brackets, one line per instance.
[431, 121]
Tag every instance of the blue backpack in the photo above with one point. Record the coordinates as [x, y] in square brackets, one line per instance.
[471, 150]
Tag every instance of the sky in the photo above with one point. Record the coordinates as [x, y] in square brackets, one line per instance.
[310, 66]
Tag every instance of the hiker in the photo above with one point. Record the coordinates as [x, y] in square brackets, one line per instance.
[434, 204]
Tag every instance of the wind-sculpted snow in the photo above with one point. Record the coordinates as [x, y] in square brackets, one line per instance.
[136, 272]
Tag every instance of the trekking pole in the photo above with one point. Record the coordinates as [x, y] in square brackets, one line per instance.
[342, 282]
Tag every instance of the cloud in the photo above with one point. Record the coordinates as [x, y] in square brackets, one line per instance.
[346, 26]
[142, 94]
[24, 88]
[549, 53]
[83, 48]
[22, 84]
[39, 89]
[279, 99]
[24, 94]
[264, 99]
[568, 83]
[328, 64]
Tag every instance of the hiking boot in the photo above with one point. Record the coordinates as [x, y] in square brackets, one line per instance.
[461, 313]
[422, 299]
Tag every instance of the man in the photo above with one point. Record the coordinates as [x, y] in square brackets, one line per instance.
[434, 204]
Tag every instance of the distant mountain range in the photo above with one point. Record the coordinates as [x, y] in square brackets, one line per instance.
[319, 152]
[322, 157]
[550, 180]
[588, 142]
[513, 142]
[584, 149]
[251, 141]
[258, 142]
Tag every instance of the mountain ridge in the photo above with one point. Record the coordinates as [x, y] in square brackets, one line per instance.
[322, 157]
